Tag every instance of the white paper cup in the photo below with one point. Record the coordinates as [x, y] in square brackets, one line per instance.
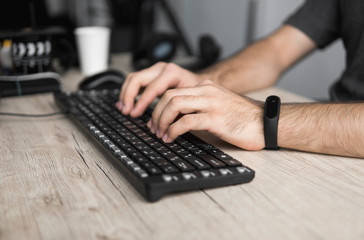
[93, 48]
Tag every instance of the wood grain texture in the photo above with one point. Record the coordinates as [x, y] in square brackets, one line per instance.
[55, 184]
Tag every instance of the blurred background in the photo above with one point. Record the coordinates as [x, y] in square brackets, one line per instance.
[230, 25]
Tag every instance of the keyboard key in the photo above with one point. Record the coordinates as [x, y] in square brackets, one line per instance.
[126, 160]
[232, 162]
[133, 166]
[188, 176]
[154, 157]
[197, 151]
[120, 155]
[169, 169]
[161, 162]
[198, 163]
[154, 170]
[115, 149]
[184, 166]
[224, 171]
[205, 173]
[186, 155]
[140, 159]
[182, 151]
[243, 169]
[167, 178]
[174, 158]
[147, 164]
[212, 160]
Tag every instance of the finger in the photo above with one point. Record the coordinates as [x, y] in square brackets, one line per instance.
[155, 89]
[143, 75]
[187, 123]
[180, 105]
[168, 95]
[120, 104]
[167, 79]
[127, 101]
[134, 82]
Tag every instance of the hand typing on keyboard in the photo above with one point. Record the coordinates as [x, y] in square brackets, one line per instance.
[156, 80]
[201, 105]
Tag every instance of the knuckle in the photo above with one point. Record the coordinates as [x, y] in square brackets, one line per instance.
[172, 131]
[188, 120]
[209, 85]
[130, 75]
[212, 88]
[175, 101]
[207, 82]
[168, 94]
[171, 67]
[160, 64]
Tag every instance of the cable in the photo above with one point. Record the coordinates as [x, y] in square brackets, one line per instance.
[32, 115]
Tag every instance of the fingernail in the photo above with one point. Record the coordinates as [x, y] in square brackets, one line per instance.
[165, 137]
[119, 105]
[132, 111]
[124, 109]
[150, 126]
[158, 134]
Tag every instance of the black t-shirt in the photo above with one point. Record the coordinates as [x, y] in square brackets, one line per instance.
[325, 21]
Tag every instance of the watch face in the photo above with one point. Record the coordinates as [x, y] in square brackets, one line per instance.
[272, 107]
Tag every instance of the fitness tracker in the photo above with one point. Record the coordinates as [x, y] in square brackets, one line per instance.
[271, 117]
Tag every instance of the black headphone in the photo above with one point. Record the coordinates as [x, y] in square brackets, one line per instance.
[157, 47]
[209, 53]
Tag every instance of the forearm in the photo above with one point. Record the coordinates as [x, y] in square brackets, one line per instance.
[336, 129]
[251, 69]
[260, 65]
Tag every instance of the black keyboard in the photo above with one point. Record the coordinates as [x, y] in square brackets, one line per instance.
[153, 167]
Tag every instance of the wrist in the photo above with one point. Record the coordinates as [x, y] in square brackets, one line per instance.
[206, 76]
[291, 131]
[252, 138]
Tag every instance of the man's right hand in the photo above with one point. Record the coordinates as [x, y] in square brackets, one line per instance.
[154, 81]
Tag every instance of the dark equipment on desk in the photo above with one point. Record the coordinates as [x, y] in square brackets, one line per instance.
[38, 43]
[153, 167]
[36, 51]
[109, 79]
[150, 46]
[29, 84]
[30, 48]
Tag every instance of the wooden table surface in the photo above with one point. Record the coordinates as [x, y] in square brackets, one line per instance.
[54, 184]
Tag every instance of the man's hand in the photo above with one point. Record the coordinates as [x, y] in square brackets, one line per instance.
[156, 80]
[208, 106]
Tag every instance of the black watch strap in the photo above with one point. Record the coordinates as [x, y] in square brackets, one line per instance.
[271, 117]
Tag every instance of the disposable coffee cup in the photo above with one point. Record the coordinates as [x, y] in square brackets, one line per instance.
[93, 49]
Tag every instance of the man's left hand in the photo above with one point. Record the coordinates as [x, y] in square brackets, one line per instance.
[208, 106]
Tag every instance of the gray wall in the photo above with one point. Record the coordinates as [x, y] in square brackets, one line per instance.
[225, 20]
[228, 21]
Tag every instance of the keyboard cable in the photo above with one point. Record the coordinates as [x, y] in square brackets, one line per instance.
[32, 115]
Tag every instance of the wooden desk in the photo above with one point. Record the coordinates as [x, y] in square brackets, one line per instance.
[54, 184]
